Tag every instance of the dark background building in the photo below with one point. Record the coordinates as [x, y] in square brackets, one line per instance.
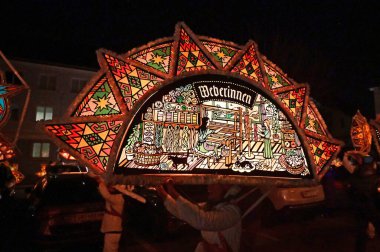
[53, 88]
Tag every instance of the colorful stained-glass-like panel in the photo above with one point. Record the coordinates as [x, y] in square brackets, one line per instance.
[157, 57]
[294, 100]
[313, 121]
[190, 56]
[92, 140]
[213, 124]
[275, 79]
[249, 65]
[222, 53]
[132, 81]
[3, 109]
[322, 152]
[99, 101]
[221, 123]
[6, 90]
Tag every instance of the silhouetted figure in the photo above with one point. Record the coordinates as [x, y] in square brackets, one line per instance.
[363, 187]
[7, 208]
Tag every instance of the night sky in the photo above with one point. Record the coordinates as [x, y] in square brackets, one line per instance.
[332, 45]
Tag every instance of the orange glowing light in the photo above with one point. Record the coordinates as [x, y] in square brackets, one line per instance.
[361, 133]
[64, 154]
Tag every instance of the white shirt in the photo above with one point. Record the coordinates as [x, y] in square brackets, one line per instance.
[224, 217]
[112, 220]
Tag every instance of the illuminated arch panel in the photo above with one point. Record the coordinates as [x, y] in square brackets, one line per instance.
[198, 108]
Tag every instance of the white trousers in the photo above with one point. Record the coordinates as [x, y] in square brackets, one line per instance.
[111, 242]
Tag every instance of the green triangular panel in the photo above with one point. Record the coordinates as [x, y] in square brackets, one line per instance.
[157, 57]
[275, 79]
[99, 101]
[222, 53]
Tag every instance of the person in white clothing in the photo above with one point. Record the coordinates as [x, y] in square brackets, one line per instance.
[219, 220]
[113, 215]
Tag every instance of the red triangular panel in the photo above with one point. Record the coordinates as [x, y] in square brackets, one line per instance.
[249, 65]
[130, 79]
[294, 100]
[88, 139]
[322, 152]
[190, 55]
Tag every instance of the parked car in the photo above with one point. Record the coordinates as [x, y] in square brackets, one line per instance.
[65, 208]
[64, 168]
[297, 197]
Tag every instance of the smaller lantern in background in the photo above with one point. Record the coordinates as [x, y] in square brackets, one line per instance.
[6, 152]
[16, 173]
[361, 133]
[42, 171]
[13, 167]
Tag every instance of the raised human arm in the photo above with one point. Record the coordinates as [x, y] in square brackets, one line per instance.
[102, 187]
[213, 220]
[126, 190]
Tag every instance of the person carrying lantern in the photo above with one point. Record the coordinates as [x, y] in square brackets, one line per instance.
[219, 219]
[363, 187]
[113, 216]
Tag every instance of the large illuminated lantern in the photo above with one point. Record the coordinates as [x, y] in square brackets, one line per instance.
[7, 91]
[201, 109]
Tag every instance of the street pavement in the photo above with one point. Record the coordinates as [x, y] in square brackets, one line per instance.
[333, 233]
[322, 233]
[298, 232]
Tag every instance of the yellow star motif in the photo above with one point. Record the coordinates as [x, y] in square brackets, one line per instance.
[102, 103]
[220, 54]
[157, 59]
[274, 79]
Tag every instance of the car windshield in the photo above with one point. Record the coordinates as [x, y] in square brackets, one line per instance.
[64, 190]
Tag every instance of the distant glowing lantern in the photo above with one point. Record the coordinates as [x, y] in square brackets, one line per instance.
[42, 171]
[17, 173]
[361, 133]
[6, 151]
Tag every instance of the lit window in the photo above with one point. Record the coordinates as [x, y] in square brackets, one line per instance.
[48, 82]
[44, 113]
[41, 150]
[77, 85]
